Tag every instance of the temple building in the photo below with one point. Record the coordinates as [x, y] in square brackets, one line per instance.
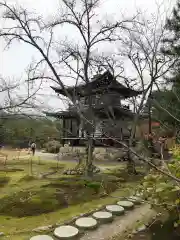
[111, 117]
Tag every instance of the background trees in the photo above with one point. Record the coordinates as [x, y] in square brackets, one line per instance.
[19, 131]
[165, 100]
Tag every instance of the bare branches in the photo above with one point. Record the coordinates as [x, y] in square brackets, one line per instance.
[143, 48]
[24, 28]
[92, 31]
[12, 98]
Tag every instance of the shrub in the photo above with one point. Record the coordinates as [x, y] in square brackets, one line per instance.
[4, 180]
[52, 146]
[27, 178]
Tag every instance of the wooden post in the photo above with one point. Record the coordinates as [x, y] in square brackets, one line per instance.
[63, 132]
[19, 152]
[121, 138]
[31, 163]
[71, 127]
[5, 161]
[78, 127]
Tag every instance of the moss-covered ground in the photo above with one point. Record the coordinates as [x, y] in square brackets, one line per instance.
[29, 200]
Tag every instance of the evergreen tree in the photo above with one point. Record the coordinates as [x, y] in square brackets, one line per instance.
[171, 44]
[170, 99]
[18, 132]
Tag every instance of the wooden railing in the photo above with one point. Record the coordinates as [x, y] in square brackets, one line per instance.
[85, 106]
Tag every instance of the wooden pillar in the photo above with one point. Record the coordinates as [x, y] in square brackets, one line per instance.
[71, 126]
[78, 128]
[121, 134]
[63, 132]
[68, 128]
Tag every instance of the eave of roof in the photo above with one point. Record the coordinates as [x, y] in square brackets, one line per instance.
[126, 92]
[92, 87]
[99, 111]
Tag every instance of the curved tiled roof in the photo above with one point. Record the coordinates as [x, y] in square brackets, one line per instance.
[100, 83]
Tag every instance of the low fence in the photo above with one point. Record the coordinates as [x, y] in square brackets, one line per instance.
[12, 154]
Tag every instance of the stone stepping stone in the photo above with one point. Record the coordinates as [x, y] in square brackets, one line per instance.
[103, 216]
[115, 209]
[66, 232]
[142, 228]
[86, 223]
[41, 237]
[135, 200]
[139, 194]
[126, 204]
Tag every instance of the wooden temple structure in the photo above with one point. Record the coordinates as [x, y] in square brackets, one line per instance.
[111, 116]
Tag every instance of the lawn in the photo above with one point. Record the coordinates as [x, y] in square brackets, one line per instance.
[29, 201]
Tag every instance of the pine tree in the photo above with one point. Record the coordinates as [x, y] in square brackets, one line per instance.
[170, 99]
[171, 44]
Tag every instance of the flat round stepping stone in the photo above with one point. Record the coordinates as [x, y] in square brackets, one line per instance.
[135, 200]
[41, 237]
[142, 228]
[139, 194]
[103, 216]
[66, 232]
[126, 204]
[115, 209]
[86, 223]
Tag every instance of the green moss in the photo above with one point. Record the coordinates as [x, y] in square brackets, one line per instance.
[125, 177]
[52, 196]
[68, 183]
[24, 203]
[4, 180]
[48, 201]
[11, 170]
[27, 178]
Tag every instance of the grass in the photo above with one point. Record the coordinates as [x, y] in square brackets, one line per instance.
[27, 202]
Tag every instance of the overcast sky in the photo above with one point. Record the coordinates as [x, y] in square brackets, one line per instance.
[14, 61]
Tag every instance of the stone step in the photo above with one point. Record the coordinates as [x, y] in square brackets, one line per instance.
[66, 232]
[135, 199]
[41, 237]
[115, 209]
[139, 194]
[103, 216]
[86, 223]
[126, 204]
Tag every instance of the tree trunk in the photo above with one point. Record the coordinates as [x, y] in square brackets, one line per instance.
[131, 167]
[150, 139]
[149, 115]
[89, 157]
[31, 165]
[89, 128]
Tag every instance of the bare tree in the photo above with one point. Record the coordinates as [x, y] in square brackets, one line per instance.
[17, 96]
[92, 31]
[92, 34]
[142, 47]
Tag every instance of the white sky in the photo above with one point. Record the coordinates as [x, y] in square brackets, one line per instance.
[14, 61]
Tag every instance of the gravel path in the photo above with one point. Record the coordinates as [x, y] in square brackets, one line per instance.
[51, 156]
[120, 224]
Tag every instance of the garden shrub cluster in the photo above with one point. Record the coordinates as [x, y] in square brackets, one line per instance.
[52, 146]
